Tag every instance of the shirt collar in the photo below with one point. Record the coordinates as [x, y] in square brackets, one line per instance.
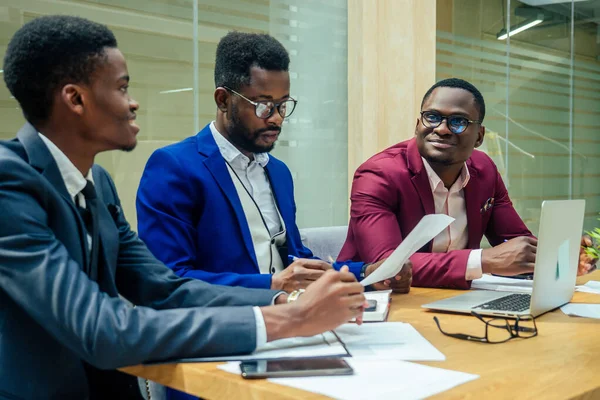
[435, 181]
[230, 153]
[73, 178]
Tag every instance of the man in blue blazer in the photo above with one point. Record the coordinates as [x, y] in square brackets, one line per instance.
[217, 206]
[68, 258]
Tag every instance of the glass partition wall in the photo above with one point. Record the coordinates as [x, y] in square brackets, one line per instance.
[537, 65]
[541, 84]
[170, 50]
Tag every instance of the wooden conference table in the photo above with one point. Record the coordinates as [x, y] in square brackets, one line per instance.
[562, 362]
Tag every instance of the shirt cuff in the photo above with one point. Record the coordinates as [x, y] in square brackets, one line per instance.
[474, 265]
[276, 296]
[261, 329]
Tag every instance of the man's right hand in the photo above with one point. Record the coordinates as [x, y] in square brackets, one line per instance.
[514, 257]
[299, 274]
[399, 283]
[334, 299]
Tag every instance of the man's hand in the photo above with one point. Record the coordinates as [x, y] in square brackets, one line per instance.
[514, 257]
[587, 264]
[299, 274]
[399, 284]
[332, 300]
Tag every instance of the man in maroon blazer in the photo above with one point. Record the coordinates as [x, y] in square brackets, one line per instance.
[438, 171]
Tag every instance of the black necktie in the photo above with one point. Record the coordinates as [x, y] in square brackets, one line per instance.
[89, 216]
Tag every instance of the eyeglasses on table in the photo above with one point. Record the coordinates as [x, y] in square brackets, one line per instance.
[498, 330]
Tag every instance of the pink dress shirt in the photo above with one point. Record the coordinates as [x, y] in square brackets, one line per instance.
[452, 203]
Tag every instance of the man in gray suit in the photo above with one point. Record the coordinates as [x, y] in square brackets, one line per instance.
[67, 252]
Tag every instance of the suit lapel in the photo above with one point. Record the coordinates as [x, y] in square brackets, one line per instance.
[108, 235]
[419, 177]
[109, 249]
[218, 169]
[420, 180]
[41, 159]
[473, 208]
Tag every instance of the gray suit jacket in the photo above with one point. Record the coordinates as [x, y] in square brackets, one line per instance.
[54, 316]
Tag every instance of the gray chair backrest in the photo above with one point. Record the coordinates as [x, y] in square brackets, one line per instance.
[326, 241]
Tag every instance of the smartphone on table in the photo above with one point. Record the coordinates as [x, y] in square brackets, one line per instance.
[324, 366]
[372, 305]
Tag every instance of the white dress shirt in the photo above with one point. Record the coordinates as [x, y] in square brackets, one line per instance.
[253, 176]
[73, 178]
[75, 182]
[452, 203]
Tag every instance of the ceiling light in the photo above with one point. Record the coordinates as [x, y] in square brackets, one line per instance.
[520, 27]
[187, 89]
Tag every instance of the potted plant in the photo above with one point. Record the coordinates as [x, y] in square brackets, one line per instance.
[592, 248]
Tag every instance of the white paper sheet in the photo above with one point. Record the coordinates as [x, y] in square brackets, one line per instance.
[502, 284]
[505, 284]
[387, 341]
[428, 227]
[299, 347]
[376, 379]
[582, 310]
[590, 287]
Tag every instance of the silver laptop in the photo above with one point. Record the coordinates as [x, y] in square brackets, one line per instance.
[559, 239]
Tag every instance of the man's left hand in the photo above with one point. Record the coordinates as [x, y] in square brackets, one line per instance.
[399, 283]
[587, 264]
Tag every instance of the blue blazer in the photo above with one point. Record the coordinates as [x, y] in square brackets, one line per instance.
[191, 218]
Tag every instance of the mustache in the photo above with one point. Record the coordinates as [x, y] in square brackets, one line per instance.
[439, 139]
[263, 130]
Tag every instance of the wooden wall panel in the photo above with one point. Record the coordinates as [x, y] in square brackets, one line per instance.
[391, 64]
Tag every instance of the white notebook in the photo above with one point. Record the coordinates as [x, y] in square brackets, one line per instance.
[383, 306]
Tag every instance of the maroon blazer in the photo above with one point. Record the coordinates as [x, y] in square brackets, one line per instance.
[390, 195]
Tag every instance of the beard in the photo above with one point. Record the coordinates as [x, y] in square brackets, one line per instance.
[438, 160]
[243, 138]
[129, 148]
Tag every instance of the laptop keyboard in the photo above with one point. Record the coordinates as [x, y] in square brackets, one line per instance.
[512, 302]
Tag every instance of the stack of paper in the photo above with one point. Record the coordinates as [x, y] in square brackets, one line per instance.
[376, 379]
[507, 284]
[582, 310]
[590, 287]
[387, 341]
[379, 340]
[325, 344]
[377, 350]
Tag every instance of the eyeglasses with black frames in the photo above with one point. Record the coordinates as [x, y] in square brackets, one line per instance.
[456, 123]
[264, 109]
[498, 330]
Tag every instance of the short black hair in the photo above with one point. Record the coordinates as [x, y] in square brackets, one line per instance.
[49, 52]
[460, 84]
[238, 52]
